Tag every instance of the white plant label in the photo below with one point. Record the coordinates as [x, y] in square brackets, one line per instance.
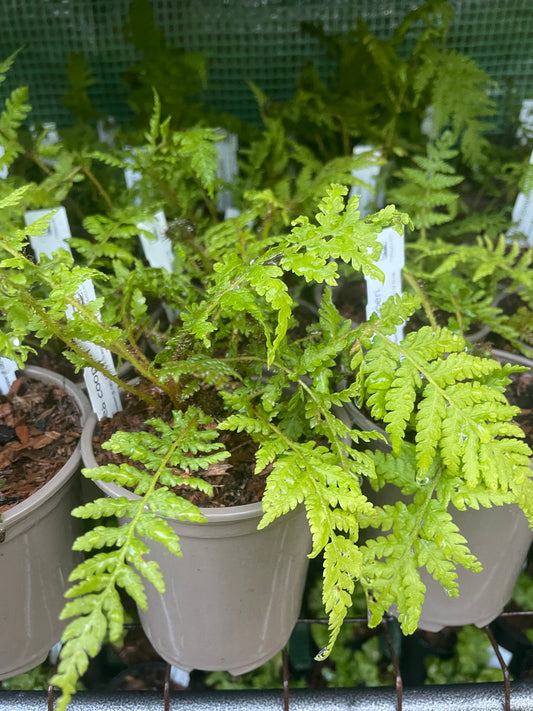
[368, 199]
[132, 177]
[51, 138]
[57, 235]
[523, 213]
[3, 168]
[158, 250]
[231, 212]
[105, 128]
[103, 393]
[391, 262]
[427, 123]
[227, 166]
[8, 369]
[525, 130]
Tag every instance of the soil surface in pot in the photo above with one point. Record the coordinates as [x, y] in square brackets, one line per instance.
[39, 430]
[233, 480]
[520, 393]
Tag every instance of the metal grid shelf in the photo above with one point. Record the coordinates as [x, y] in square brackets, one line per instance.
[498, 696]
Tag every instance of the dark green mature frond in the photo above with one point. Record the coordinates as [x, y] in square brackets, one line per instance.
[470, 282]
[425, 192]
[16, 109]
[80, 79]
[459, 97]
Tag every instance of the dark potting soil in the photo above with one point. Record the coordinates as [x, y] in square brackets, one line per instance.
[39, 430]
[233, 480]
[520, 394]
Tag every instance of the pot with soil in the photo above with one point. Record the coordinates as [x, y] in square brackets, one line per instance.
[233, 597]
[499, 536]
[40, 457]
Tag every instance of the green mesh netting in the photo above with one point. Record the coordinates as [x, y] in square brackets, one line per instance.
[258, 40]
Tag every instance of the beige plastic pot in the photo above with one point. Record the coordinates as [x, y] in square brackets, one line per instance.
[233, 598]
[36, 556]
[499, 537]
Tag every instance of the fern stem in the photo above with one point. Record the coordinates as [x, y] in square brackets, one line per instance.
[458, 314]
[428, 309]
[98, 185]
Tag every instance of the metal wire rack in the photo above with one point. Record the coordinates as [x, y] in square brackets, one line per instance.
[498, 696]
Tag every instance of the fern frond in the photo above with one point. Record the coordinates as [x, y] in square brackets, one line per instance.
[94, 600]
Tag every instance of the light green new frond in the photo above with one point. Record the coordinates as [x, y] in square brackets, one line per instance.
[399, 401]
[268, 452]
[199, 145]
[14, 198]
[429, 430]
[158, 530]
[524, 497]
[266, 280]
[101, 537]
[342, 565]
[440, 531]
[398, 469]
[287, 486]
[390, 575]
[168, 504]
[103, 508]
[338, 234]
[6, 64]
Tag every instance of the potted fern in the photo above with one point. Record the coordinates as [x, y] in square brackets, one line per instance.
[242, 357]
[36, 529]
[284, 382]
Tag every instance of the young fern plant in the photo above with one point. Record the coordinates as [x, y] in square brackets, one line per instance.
[425, 190]
[487, 284]
[276, 383]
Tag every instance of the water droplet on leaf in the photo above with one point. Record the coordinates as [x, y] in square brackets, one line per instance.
[323, 654]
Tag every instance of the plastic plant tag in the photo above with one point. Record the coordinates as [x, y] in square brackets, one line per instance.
[49, 139]
[227, 166]
[391, 262]
[132, 177]
[8, 369]
[368, 200]
[523, 213]
[105, 129]
[231, 212]
[103, 393]
[158, 250]
[3, 168]
[525, 118]
[57, 235]
[426, 126]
